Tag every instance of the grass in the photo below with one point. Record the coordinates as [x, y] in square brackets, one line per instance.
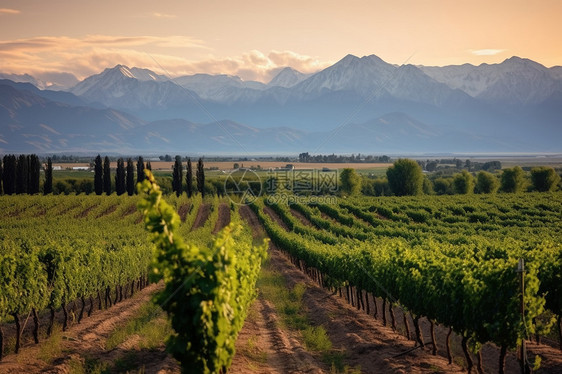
[51, 348]
[316, 339]
[87, 366]
[253, 351]
[150, 324]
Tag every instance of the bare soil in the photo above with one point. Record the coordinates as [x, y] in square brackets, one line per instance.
[87, 340]
[270, 212]
[131, 209]
[183, 211]
[223, 219]
[85, 212]
[265, 347]
[108, 211]
[202, 215]
[298, 215]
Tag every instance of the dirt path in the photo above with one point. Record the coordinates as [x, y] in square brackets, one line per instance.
[202, 215]
[223, 219]
[270, 212]
[363, 340]
[249, 216]
[88, 338]
[183, 211]
[298, 215]
[107, 212]
[264, 347]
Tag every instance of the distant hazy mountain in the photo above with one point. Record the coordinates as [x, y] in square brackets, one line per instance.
[51, 81]
[219, 88]
[287, 77]
[31, 123]
[358, 104]
[59, 96]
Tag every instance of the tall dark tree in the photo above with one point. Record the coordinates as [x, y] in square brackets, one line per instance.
[140, 170]
[48, 186]
[148, 166]
[34, 170]
[200, 175]
[1, 176]
[22, 174]
[120, 187]
[98, 175]
[9, 175]
[189, 178]
[106, 176]
[130, 177]
[177, 177]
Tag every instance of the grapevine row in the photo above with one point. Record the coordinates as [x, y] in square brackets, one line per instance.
[470, 286]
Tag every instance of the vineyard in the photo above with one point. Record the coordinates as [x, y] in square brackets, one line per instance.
[60, 249]
[450, 260]
[419, 264]
[79, 254]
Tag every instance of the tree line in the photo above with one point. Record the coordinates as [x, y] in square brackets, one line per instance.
[405, 177]
[359, 158]
[22, 175]
[125, 180]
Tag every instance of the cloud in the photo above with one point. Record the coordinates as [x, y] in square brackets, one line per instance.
[9, 11]
[163, 15]
[486, 52]
[66, 43]
[91, 54]
[256, 65]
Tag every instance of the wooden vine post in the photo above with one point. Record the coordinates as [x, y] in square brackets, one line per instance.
[525, 369]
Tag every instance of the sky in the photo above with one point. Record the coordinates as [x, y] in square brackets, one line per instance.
[255, 39]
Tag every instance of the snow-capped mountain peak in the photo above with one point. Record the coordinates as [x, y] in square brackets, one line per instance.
[516, 80]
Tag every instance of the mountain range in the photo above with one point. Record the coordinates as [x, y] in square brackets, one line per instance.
[356, 105]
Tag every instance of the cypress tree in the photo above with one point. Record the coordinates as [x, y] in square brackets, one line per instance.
[9, 175]
[98, 176]
[189, 178]
[34, 170]
[106, 176]
[48, 186]
[200, 177]
[130, 177]
[177, 176]
[140, 170]
[22, 174]
[148, 166]
[120, 177]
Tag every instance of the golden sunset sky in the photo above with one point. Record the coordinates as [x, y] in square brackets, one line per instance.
[254, 39]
